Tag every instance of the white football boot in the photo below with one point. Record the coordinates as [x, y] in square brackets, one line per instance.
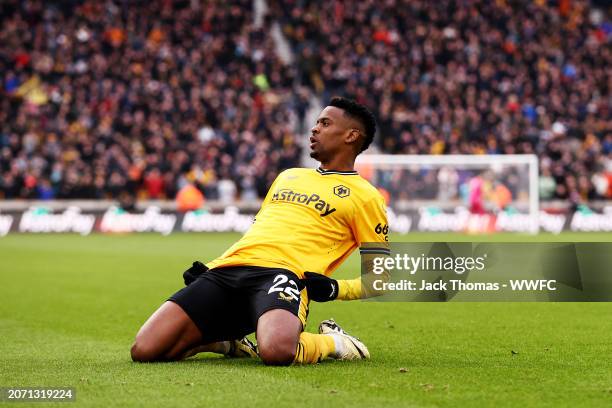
[347, 346]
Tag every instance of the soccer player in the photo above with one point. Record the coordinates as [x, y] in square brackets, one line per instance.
[310, 220]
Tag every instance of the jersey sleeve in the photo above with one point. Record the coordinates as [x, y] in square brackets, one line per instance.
[371, 228]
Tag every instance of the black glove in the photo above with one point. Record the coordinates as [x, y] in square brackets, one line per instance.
[320, 287]
[192, 273]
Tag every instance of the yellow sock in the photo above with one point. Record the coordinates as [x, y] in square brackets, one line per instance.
[313, 348]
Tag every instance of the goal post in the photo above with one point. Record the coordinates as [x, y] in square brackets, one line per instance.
[501, 188]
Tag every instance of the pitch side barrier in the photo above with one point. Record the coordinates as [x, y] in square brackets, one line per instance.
[86, 217]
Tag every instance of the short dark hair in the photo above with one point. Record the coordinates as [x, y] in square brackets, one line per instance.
[359, 112]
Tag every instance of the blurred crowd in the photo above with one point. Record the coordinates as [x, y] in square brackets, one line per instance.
[472, 77]
[130, 100]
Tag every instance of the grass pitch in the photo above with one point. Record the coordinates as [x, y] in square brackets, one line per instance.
[71, 306]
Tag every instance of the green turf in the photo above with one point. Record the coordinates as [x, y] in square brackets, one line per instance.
[72, 305]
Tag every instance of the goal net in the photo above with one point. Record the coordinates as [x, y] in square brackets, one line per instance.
[462, 193]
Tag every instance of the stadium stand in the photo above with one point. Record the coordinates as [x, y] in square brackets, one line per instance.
[477, 77]
[100, 99]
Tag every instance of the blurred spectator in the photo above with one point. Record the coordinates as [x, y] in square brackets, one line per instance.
[448, 183]
[154, 184]
[189, 198]
[227, 191]
[547, 184]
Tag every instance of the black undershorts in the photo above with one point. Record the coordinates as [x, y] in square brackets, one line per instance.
[225, 303]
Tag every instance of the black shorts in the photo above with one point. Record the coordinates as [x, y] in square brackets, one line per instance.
[225, 303]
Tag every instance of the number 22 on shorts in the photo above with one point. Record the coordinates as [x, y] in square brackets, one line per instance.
[290, 289]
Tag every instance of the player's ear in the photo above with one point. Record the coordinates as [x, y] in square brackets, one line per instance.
[352, 136]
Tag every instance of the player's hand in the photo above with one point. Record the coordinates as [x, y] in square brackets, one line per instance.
[320, 287]
[191, 274]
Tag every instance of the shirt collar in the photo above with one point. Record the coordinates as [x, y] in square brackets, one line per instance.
[344, 173]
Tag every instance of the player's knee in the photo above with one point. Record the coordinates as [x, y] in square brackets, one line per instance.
[142, 353]
[278, 353]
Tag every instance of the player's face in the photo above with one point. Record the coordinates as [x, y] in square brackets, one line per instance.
[328, 134]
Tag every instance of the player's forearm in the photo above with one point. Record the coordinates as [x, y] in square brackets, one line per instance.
[349, 289]
[361, 288]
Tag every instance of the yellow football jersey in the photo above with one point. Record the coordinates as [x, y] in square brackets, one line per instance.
[312, 220]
